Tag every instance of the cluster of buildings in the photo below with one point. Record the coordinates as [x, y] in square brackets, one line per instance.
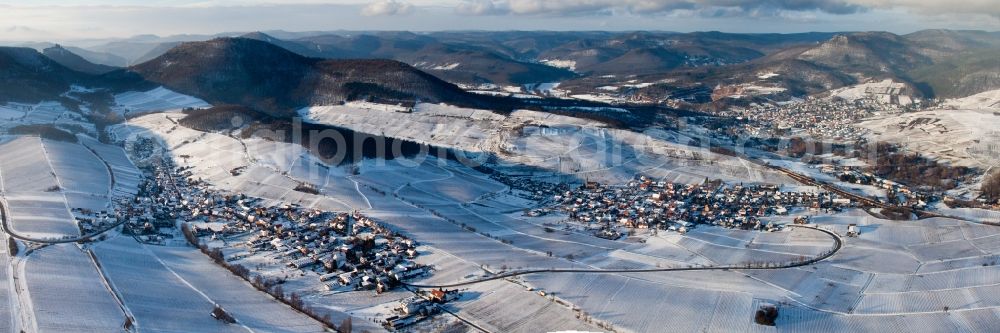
[347, 250]
[644, 203]
[896, 193]
[90, 221]
[152, 215]
[414, 309]
[817, 118]
[534, 189]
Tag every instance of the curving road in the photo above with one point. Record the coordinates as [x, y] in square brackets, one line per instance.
[5, 224]
[838, 244]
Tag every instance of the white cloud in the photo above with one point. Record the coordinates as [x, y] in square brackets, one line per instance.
[577, 7]
[719, 7]
[387, 8]
[61, 21]
[989, 7]
[479, 7]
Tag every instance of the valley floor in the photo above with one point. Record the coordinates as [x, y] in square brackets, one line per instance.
[929, 275]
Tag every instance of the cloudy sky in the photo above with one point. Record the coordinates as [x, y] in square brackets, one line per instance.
[57, 20]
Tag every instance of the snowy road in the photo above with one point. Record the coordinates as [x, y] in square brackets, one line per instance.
[838, 244]
[4, 225]
[8, 303]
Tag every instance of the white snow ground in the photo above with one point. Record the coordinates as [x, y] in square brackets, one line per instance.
[253, 309]
[963, 137]
[44, 113]
[988, 100]
[32, 192]
[126, 175]
[159, 300]
[42, 180]
[67, 294]
[881, 91]
[159, 99]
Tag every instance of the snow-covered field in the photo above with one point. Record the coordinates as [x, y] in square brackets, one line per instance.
[881, 91]
[600, 98]
[40, 215]
[42, 180]
[567, 64]
[975, 214]
[10, 113]
[160, 300]
[962, 137]
[77, 169]
[44, 113]
[31, 191]
[24, 166]
[638, 305]
[460, 128]
[126, 175]
[615, 156]
[67, 293]
[989, 100]
[159, 99]
[174, 289]
[447, 67]
[895, 273]
[254, 309]
[491, 308]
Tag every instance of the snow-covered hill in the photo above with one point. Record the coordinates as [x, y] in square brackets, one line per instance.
[989, 100]
[560, 145]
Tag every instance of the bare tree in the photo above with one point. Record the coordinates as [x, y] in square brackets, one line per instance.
[991, 187]
[221, 315]
[345, 326]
